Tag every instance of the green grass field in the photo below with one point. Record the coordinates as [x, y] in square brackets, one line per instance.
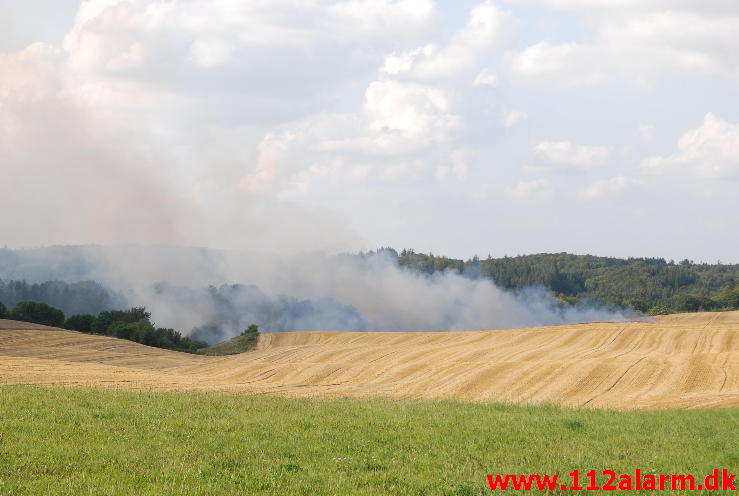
[71, 441]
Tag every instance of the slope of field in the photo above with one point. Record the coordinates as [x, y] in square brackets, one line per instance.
[682, 361]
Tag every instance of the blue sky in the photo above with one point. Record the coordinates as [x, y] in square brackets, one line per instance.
[472, 127]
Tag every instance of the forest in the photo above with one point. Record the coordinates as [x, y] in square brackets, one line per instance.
[650, 285]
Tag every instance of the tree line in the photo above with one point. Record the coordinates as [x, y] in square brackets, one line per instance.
[84, 297]
[650, 285]
[133, 324]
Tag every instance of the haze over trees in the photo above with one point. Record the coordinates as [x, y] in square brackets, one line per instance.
[71, 298]
[134, 325]
[652, 285]
[216, 313]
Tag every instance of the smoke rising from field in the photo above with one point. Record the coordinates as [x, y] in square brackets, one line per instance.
[262, 126]
[218, 293]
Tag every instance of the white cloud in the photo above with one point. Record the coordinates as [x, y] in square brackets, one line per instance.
[566, 65]
[606, 187]
[641, 41]
[709, 151]
[514, 118]
[152, 112]
[279, 50]
[568, 154]
[204, 121]
[374, 19]
[210, 52]
[458, 168]
[722, 6]
[526, 190]
[397, 119]
[487, 27]
[405, 116]
[32, 73]
[646, 132]
[486, 77]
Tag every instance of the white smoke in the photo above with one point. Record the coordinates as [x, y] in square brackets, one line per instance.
[307, 292]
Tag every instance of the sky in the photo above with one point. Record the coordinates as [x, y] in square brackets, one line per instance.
[506, 127]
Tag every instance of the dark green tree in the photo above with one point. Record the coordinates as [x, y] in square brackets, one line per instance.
[81, 322]
[3, 311]
[141, 331]
[105, 320]
[38, 313]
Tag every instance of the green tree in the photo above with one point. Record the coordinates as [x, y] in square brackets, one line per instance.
[141, 331]
[105, 320]
[38, 313]
[3, 311]
[729, 297]
[81, 322]
[694, 303]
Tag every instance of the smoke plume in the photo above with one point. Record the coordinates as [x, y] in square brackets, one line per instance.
[215, 294]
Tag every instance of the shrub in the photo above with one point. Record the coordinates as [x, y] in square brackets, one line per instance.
[3, 311]
[250, 336]
[38, 313]
[659, 310]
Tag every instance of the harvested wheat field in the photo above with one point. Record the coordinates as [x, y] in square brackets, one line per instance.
[680, 361]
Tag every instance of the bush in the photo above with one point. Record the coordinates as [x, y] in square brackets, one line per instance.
[81, 322]
[659, 310]
[38, 313]
[250, 336]
[3, 311]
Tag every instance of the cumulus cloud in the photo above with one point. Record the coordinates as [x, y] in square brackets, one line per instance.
[279, 124]
[725, 6]
[564, 65]
[142, 125]
[641, 41]
[646, 132]
[488, 27]
[210, 52]
[709, 151]
[486, 77]
[565, 153]
[527, 190]
[514, 118]
[407, 115]
[396, 119]
[458, 167]
[605, 187]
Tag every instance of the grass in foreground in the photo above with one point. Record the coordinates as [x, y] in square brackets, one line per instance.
[72, 441]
